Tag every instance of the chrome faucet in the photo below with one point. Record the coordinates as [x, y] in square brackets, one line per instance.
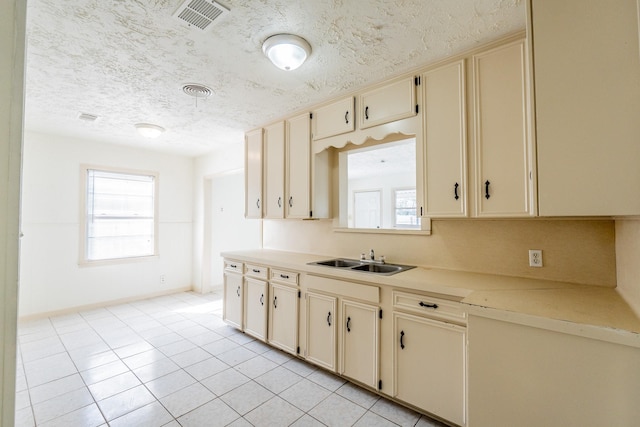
[372, 255]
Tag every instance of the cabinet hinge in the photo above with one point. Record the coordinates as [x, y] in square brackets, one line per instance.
[298, 350]
[310, 214]
[417, 81]
[380, 313]
[310, 115]
[299, 294]
[417, 109]
[379, 384]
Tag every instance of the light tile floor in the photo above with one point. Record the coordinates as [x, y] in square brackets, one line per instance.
[172, 361]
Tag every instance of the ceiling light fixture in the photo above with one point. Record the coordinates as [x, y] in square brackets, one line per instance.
[148, 130]
[286, 51]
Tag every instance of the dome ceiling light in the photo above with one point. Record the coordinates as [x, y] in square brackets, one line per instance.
[286, 51]
[148, 130]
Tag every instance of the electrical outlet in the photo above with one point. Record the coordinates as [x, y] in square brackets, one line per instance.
[163, 279]
[535, 258]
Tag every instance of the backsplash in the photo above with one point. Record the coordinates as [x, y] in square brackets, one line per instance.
[577, 251]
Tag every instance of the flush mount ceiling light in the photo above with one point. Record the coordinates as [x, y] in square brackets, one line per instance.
[286, 51]
[148, 130]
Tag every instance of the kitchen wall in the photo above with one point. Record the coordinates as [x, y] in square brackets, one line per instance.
[51, 279]
[628, 261]
[578, 251]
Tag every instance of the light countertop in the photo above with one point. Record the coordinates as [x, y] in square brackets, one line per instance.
[583, 306]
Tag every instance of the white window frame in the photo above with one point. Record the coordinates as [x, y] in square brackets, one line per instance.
[395, 209]
[84, 170]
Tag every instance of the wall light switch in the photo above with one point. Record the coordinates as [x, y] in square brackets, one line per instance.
[535, 258]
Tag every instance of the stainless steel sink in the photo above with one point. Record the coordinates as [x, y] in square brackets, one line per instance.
[339, 262]
[363, 266]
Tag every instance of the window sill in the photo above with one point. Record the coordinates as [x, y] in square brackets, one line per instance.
[116, 261]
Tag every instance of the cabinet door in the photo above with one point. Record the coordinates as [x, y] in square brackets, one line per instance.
[298, 167]
[393, 101]
[233, 295]
[429, 366]
[274, 171]
[333, 119]
[253, 174]
[587, 95]
[255, 308]
[321, 330]
[503, 168]
[445, 141]
[359, 352]
[283, 318]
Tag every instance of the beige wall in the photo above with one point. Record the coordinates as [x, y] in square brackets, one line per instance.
[628, 261]
[578, 251]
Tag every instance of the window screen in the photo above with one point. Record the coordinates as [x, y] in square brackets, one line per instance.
[120, 215]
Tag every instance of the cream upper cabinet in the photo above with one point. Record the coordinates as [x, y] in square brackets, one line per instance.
[255, 308]
[392, 101]
[334, 119]
[233, 297]
[504, 173]
[274, 158]
[429, 365]
[360, 340]
[321, 323]
[587, 94]
[445, 139]
[253, 174]
[298, 183]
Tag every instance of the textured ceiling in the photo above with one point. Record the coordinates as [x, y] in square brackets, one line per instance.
[127, 60]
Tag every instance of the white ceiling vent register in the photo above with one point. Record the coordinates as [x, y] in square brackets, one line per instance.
[200, 14]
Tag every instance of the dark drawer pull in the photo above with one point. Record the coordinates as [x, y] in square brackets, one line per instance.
[233, 266]
[402, 340]
[255, 270]
[425, 305]
[284, 276]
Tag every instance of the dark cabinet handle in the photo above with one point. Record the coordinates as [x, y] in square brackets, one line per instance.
[284, 276]
[486, 190]
[258, 203]
[233, 266]
[366, 112]
[275, 302]
[348, 324]
[262, 299]
[329, 319]
[291, 201]
[402, 340]
[255, 270]
[455, 191]
[238, 291]
[279, 202]
[346, 117]
[425, 305]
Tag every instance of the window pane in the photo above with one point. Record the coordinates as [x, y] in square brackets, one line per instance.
[120, 215]
[406, 208]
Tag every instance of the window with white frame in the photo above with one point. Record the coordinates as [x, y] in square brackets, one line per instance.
[405, 208]
[120, 218]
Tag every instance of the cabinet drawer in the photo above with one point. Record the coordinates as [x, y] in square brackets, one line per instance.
[437, 308]
[257, 271]
[233, 266]
[284, 276]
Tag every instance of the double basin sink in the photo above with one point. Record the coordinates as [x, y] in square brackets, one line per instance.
[364, 266]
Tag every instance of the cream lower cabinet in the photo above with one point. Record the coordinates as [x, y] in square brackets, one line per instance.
[360, 341]
[255, 308]
[233, 294]
[283, 310]
[321, 324]
[429, 356]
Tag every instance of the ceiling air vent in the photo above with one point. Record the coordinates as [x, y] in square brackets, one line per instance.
[200, 14]
[88, 117]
